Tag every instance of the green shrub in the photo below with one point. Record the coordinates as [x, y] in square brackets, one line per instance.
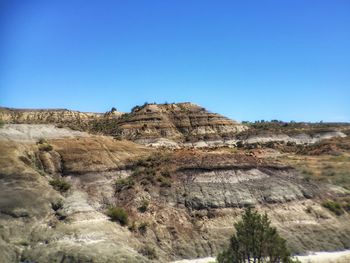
[150, 175]
[333, 206]
[164, 182]
[44, 145]
[118, 214]
[24, 243]
[132, 227]
[60, 185]
[346, 204]
[2, 123]
[145, 174]
[307, 175]
[307, 172]
[308, 209]
[124, 183]
[144, 206]
[165, 173]
[149, 252]
[57, 205]
[143, 227]
[42, 141]
[328, 172]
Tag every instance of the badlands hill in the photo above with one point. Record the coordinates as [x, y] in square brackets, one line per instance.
[158, 124]
[182, 175]
[175, 125]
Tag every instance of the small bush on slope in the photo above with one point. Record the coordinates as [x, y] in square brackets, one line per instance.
[118, 214]
[60, 185]
[43, 145]
[124, 183]
[144, 206]
[334, 207]
[149, 252]
[143, 227]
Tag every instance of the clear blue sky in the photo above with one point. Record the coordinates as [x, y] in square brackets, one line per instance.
[248, 60]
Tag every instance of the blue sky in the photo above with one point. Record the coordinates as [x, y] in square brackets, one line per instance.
[248, 60]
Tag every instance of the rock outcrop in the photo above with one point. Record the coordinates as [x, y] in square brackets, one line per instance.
[177, 123]
[173, 125]
[169, 125]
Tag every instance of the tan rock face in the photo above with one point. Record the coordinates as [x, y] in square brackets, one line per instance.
[95, 154]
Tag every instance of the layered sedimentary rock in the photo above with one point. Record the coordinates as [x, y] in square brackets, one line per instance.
[152, 124]
[170, 125]
[301, 138]
[180, 123]
[45, 116]
[193, 210]
[41, 224]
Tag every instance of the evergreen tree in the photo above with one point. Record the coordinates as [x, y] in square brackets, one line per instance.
[255, 241]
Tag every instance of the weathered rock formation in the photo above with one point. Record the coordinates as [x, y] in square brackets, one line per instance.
[40, 224]
[301, 138]
[174, 124]
[152, 124]
[207, 192]
[45, 116]
[166, 125]
[181, 203]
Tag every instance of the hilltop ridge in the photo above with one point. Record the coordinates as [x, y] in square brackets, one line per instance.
[176, 125]
[169, 124]
[158, 124]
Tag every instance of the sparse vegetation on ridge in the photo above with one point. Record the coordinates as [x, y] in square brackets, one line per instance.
[321, 168]
[148, 170]
[290, 128]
